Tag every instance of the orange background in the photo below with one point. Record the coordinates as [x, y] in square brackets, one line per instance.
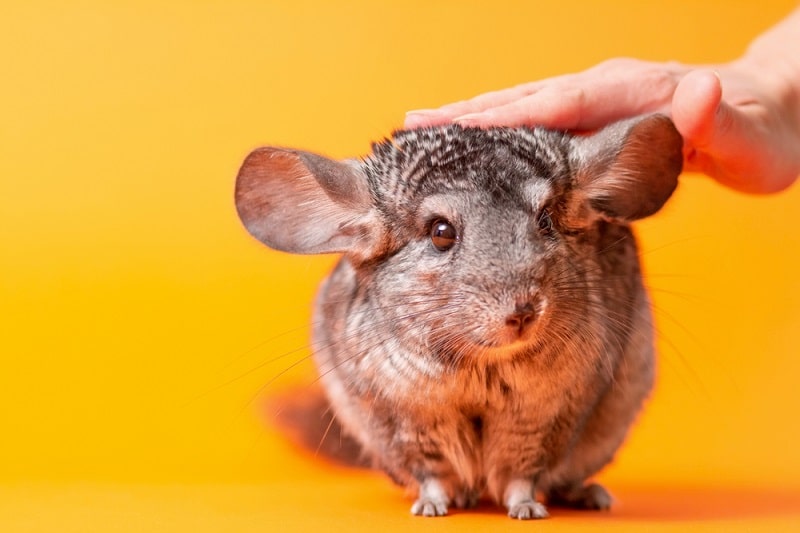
[142, 328]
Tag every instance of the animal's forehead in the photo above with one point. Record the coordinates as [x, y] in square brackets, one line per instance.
[463, 205]
[432, 160]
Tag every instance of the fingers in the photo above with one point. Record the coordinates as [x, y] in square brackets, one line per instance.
[697, 108]
[572, 108]
[550, 106]
[588, 100]
[480, 103]
[446, 114]
[695, 104]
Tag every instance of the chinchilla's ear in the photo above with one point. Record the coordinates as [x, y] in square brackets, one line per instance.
[629, 169]
[304, 203]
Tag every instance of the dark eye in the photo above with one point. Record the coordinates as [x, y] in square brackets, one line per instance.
[545, 223]
[443, 235]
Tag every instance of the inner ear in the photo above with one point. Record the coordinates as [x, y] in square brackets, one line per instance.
[305, 203]
[628, 170]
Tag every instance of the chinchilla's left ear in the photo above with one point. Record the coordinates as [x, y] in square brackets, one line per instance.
[629, 169]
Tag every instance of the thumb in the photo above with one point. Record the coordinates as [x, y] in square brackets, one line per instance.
[714, 132]
[697, 108]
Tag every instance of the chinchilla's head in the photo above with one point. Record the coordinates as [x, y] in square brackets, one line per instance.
[472, 239]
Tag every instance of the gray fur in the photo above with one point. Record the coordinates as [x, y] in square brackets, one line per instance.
[510, 364]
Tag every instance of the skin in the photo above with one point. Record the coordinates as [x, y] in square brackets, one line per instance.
[740, 121]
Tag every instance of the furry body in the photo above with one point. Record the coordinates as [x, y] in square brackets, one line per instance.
[510, 356]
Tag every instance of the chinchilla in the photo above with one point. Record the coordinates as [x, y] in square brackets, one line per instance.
[486, 330]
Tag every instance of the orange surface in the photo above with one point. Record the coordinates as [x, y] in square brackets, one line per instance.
[143, 331]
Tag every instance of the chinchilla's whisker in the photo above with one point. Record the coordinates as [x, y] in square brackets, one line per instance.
[302, 348]
[325, 435]
[251, 371]
[262, 344]
[695, 379]
[641, 252]
[685, 296]
[364, 348]
[272, 380]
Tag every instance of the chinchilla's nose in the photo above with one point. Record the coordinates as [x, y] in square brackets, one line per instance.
[522, 318]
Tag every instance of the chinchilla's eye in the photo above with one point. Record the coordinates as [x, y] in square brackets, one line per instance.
[545, 223]
[443, 235]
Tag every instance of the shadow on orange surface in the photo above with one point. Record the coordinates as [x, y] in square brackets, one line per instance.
[674, 504]
[647, 504]
[363, 502]
[692, 504]
[306, 421]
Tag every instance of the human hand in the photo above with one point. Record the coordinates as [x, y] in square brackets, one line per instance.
[740, 125]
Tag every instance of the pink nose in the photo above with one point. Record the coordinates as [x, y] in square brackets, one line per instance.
[522, 318]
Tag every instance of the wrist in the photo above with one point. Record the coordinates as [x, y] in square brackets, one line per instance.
[770, 60]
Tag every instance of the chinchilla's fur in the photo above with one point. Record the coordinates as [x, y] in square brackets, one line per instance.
[486, 330]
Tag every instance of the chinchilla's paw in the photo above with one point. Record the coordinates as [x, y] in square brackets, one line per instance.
[592, 497]
[528, 510]
[467, 498]
[427, 506]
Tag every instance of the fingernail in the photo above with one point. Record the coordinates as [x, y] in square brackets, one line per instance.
[423, 112]
[419, 117]
[469, 117]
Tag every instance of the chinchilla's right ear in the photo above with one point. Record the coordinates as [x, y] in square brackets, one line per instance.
[304, 203]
